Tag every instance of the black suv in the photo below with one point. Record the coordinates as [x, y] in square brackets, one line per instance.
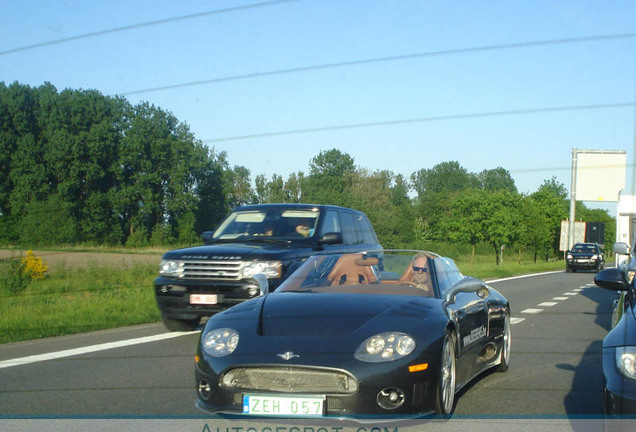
[586, 256]
[268, 239]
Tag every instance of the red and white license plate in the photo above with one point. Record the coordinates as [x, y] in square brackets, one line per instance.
[204, 299]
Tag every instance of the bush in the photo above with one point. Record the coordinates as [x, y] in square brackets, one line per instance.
[34, 267]
[14, 277]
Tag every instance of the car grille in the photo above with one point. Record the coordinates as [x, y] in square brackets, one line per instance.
[289, 380]
[214, 269]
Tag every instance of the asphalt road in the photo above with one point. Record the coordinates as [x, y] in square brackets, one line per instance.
[559, 320]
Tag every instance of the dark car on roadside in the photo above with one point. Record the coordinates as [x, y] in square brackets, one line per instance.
[268, 239]
[619, 346]
[585, 256]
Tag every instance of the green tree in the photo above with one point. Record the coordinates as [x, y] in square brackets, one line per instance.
[467, 220]
[443, 177]
[330, 175]
[496, 179]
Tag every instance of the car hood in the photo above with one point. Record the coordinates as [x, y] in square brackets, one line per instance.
[303, 315]
[237, 250]
[323, 325]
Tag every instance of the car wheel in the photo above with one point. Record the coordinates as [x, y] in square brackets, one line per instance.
[445, 397]
[180, 325]
[504, 359]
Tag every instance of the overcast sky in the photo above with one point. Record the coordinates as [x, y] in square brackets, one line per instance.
[398, 85]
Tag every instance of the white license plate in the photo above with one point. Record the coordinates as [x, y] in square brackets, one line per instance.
[283, 405]
[204, 299]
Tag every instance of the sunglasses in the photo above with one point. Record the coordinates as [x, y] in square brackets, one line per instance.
[419, 269]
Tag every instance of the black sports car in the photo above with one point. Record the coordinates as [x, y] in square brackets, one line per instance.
[366, 334]
[619, 346]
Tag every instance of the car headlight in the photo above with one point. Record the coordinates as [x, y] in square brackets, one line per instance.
[171, 268]
[271, 269]
[385, 347]
[220, 342]
[595, 257]
[569, 256]
[626, 361]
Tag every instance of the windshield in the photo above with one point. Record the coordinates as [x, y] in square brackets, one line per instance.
[268, 225]
[364, 273]
[581, 248]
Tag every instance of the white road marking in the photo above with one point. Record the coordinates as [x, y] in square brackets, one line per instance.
[516, 320]
[532, 311]
[569, 294]
[548, 304]
[522, 277]
[88, 349]
[560, 298]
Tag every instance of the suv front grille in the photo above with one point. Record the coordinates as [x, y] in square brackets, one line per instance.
[214, 269]
[289, 380]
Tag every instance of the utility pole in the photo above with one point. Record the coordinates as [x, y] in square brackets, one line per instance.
[572, 199]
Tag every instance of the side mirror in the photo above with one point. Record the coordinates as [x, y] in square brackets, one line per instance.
[330, 238]
[206, 236]
[263, 284]
[611, 279]
[467, 285]
[621, 248]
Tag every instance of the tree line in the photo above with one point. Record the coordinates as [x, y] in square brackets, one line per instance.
[81, 167]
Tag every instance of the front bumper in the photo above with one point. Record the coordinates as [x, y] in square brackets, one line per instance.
[418, 391]
[583, 263]
[173, 296]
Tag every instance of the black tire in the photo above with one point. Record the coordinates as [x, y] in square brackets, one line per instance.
[180, 325]
[445, 393]
[504, 359]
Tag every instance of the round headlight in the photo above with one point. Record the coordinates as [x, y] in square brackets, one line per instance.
[385, 347]
[375, 345]
[220, 342]
[626, 361]
[405, 345]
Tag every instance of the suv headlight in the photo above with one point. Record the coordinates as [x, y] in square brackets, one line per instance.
[220, 342]
[385, 347]
[626, 361]
[271, 269]
[171, 268]
[569, 256]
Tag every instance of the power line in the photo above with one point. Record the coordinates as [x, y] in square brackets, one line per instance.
[423, 120]
[385, 59]
[144, 24]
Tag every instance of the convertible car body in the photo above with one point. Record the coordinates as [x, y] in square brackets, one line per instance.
[368, 334]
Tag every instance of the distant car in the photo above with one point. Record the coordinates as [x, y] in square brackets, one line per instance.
[619, 346]
[348, 335]
[272, 239]
[585, 256]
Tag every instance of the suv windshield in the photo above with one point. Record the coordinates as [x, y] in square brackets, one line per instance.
[268, 225]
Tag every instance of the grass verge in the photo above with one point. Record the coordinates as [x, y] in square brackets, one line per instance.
[78, 300]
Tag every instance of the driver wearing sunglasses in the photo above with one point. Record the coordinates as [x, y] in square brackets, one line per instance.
[420, 273]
